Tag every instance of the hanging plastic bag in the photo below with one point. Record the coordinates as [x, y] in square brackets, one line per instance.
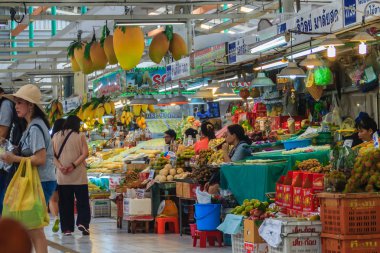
[336, 112]
[203, 197]
[24, 200]
[323, 76]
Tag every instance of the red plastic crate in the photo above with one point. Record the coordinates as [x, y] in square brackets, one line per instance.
[350, 214]
[350, 243]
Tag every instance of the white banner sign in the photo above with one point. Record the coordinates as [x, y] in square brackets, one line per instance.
[178, 69]
[71, 104]
[238, 50]
[354, 10]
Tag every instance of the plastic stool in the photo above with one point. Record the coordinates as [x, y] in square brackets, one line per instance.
[207, 236]
[161, 223]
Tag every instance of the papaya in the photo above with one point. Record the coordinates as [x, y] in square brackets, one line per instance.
[109, 51]
[178, 47]
[159, 47]
[128, 43]
[74, 64]
[98, 56]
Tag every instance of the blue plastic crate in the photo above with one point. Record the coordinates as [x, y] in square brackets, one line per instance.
[292, 144]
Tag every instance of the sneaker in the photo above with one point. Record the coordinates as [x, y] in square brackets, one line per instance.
[84, 230]
[67, 233]
[55, 227]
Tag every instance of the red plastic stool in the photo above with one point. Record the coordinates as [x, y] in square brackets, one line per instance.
[161, 224]
[193, 228]
[207, 236]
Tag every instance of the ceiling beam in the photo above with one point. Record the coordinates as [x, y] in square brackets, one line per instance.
[32, 56]
[139, 18]
[31, 49]
[36, 40]
[117, 2]
[38, 71]
[21, 27]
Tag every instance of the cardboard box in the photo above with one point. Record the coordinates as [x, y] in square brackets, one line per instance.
[251, 232]
[137, 206]
[256, 247]
[310, 200]
[279, 191]
[288, 196]
[188, 190]
[179, 189]
[297, 198]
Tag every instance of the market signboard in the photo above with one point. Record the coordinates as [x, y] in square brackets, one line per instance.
[110, 84]
[238, 50]
[178, 69]
[208, 59]
[326, 19]
[354, 10]
[70, 104]
[146, 77]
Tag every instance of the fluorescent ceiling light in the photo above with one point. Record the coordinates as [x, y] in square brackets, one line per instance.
[206, 27]
[197, 86]
[146, 23]
[227, 79]
[269, 45]
[246, 9]
[272, 65]
[157, 12]
[229, 98]
[169, 88]
[231, 32]
[306, 52]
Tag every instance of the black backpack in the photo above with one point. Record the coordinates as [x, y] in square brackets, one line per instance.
[17, 126]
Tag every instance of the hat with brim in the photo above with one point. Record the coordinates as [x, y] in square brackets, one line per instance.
[30, 93]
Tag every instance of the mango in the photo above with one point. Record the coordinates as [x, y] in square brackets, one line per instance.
[84, 64]
[151, 108]
[144, 108]
[128, 43]
[159, 47]
[109, 51]
[98, 57]
[178, 47]
[74, 64]
[108, 108]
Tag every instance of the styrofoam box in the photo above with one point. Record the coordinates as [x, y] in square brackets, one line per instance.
[299, 243]
[137, 206]
[237, 242]
[293, 226]
[100, 208]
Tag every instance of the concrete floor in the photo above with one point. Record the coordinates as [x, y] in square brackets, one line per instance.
[106, 238]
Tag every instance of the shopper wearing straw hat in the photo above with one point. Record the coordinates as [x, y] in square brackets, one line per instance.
[36, 144]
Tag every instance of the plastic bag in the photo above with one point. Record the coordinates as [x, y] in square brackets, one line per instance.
[203, 197]
[323, 76]
[24, 200]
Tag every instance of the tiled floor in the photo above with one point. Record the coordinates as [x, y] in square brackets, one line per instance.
[106, 238]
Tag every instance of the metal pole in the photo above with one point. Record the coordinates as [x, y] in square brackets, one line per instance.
[83, 10]
[31, 28]
[189, 29]
[13, 43]
[53, 22]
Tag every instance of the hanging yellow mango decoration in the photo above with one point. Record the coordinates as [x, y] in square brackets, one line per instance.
[107, 43]
[76, 51]
[159, 46]
[178, 47]
[128, 43]
[95, 53]
[70, 54]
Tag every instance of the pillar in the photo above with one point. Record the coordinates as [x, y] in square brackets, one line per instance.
[80, 84]
[31, 29]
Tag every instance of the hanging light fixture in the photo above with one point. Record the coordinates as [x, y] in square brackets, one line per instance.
[197, 101]
[311, 61]
[262, 81]
[179, 99]
[331, 42]
[164, 101]
[151, 100]
[223, 91]
[203, 93]
[362, 37]
[292, 71]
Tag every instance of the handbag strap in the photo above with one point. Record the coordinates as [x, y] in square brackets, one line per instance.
[63, 145]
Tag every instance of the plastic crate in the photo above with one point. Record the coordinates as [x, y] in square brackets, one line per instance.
[100, 208]
[237, 242]
[292, 144]
[299, 243]
[350, 214]
[295, 226]
[350, 243]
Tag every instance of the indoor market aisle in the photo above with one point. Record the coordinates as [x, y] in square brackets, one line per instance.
[105, 238]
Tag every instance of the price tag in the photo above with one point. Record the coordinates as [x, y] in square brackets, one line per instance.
[348, 143]
[375, 138]
[151, 174]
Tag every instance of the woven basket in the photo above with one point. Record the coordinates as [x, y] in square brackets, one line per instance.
[315, 91]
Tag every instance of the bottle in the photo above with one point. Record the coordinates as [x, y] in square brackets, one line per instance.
[190, 141]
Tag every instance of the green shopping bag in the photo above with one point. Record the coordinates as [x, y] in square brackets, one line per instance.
[24, 199]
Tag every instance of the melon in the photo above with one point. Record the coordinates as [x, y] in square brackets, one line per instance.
[178, 47]
[128, 43]
[159, 47]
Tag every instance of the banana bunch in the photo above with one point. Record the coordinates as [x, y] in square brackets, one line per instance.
[141, 123]
[54, 111]
[126, 118]
[96, 109]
